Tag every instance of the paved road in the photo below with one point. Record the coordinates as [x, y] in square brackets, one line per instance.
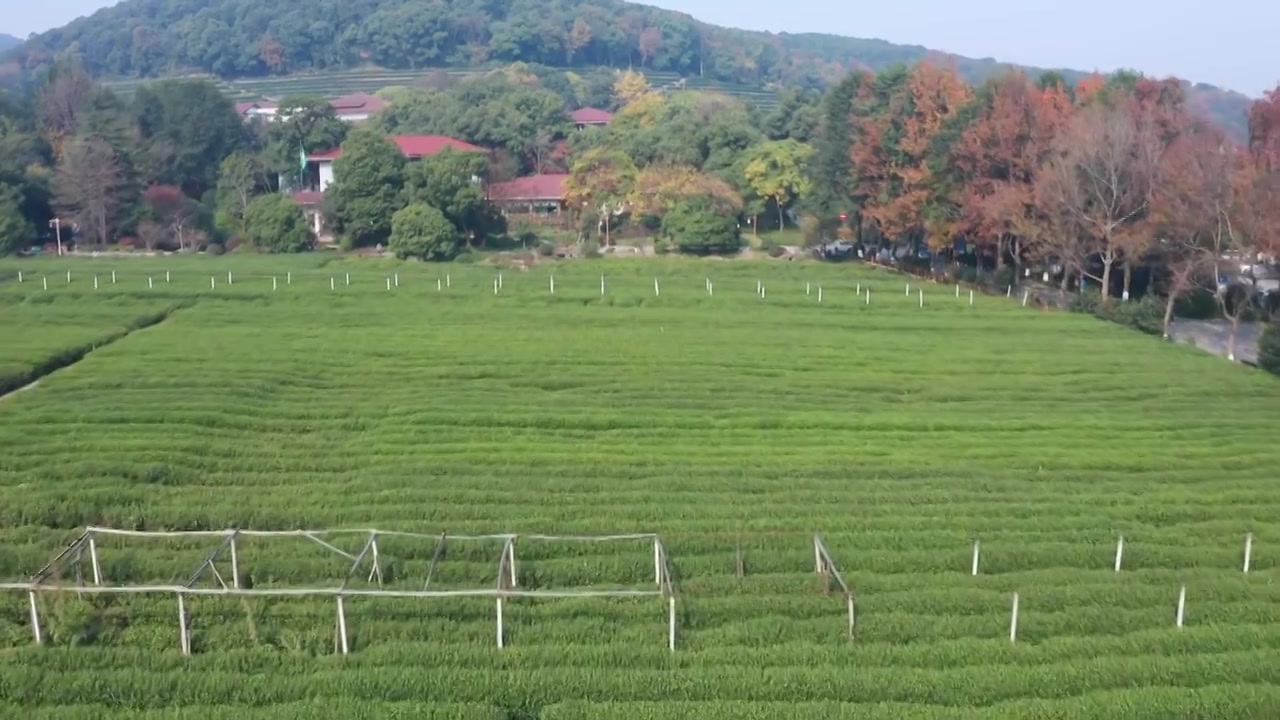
[1211, 336]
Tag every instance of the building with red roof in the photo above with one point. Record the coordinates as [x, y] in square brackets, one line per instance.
[590, 117]
[356, 107]
[542, 194]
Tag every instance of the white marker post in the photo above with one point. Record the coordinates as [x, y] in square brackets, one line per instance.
[819, 294]
[228, 277]
[166, 276]
[332, 285]
[95, 282]
[499, 601]
[273, 283]
[19, 276]
[213, 284]
[759, 286]
[388, 283]
[711, 288]
[348, 278]
[396, 279]
[495, 286]
[957, 289]
[113, 277]
[976, 552]
[288, 278]
[342, 627]
[439, 284]
[1119, 552]
[921, 298]
[601, 286]
[860, 288]
[656, 291]
[868, 296]
[671, 623]
[1008, 292]
[761, 292]
[150, 283]
[1182, 606]
[806, 289]
[1025, 296]
[499, 281]
[552, 284]
[971, 297]
[907, 293]
[448, 281]
[1013, 621]
[46, 283]
[68, 277]
[1248, 551]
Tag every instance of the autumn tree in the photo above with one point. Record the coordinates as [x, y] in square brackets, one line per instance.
[60, 103]
[89, 189]
[599, 182]
[1099, 179]
[629, 87]
[649, 43]
[660, 188]
[579, 37]
[776, 171]
[175, 212]
[1264, 132]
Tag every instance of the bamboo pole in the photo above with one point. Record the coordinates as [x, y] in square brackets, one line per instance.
[35, 617]
[1182, 606]
[976, 551]
[500, 641]
[235, 563]
[1119, 552]
[671, 623]
[1013, 621]
[184, 638]
[1248, 551]
[93, 561]
[342, 627]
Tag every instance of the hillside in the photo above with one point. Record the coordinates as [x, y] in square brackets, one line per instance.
[256, 38]
[8, 42]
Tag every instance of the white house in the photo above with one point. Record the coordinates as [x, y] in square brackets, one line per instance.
[356, 107]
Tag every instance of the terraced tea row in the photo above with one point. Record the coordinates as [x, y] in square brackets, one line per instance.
[732, 425]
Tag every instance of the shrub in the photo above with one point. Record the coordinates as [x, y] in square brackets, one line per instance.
[214, 249]
[777, 251]
[232, 243]
[696, 227]
[1269, 348]
[1145, 315]
[275, 223]
[546, 248]
[423, 232]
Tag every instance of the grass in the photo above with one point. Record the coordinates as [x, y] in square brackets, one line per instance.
[900, 433]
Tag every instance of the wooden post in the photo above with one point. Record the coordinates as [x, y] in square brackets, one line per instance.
[511, 561]
[1248, 551]
[500, 643]
[93, 560]
[235, 564]
[1182, 606]
[671, 623]
[657, 562]
[849, 599]
[35, 617]
[1119, 552]
[342, 627]
[1013, 621]
[976, 550]
[184, 639]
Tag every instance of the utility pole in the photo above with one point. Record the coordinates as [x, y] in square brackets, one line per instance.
[56, 224]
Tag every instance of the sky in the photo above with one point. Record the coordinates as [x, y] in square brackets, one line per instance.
[1228, 43]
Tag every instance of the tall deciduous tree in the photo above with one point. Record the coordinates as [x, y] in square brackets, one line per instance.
[90, 189]
[174, 211]
[776, 171]
[599, 183]
[241, 177]
[1100, 179]
[198, 126]
[453, 182]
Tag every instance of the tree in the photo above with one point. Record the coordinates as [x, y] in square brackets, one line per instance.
[453, 182]
[60, 101]
[16, 231]
[241, 177]
[1269, 348]
[579, 37]
[649, 43]
[1100, 179]
[89, 189]
[697, 227]
[366, 190]
[174, 211]
[658, 189]
[600, 181]
[776, 171]
[275, 223]
[423, 232]
[629, 87]
[305, 123]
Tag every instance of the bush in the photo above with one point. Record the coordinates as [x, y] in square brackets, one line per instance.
[777, 251]
[466, 257]
[275, 223]
[546, 248]
[695, 227]
[232, 243]
[214, 249]
[1145, 315]
[1269, 348]
[423, 232]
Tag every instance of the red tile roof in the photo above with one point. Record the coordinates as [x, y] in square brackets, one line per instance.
[534, 187]
[358, 103]
[591, 116]
[412, 146]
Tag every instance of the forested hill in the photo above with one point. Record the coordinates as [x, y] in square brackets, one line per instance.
[8, 41]
[238, 38]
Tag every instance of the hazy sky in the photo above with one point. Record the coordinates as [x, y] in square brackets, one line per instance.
[1224, 42]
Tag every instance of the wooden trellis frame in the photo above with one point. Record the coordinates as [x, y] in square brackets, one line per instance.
[824, 566]
[73, 557]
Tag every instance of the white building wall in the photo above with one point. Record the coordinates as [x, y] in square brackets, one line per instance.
[326, 175]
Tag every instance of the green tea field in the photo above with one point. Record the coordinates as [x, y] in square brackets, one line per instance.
[964, 469]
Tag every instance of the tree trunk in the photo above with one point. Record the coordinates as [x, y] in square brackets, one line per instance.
[1231, 339]
[1107, 262]
[782, 223]
[1128, 277]
[1168, 313]
[755, 225]
[606, 230]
